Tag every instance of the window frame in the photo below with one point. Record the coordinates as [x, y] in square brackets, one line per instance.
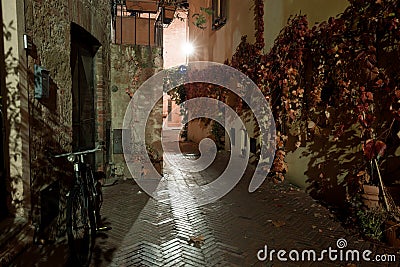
[219, 15]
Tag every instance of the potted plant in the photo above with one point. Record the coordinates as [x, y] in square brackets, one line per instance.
[370, 196]
[373, 151]
[392, 233]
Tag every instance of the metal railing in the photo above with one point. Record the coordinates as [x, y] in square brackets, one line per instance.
[138, 27]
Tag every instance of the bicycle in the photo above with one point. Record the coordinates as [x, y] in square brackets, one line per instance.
[83, 209]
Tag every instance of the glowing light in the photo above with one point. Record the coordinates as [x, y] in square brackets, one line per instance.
[188, 48]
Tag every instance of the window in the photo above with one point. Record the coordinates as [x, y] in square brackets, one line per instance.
[219, 13]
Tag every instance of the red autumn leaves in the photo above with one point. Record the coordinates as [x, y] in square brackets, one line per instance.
[373, 149]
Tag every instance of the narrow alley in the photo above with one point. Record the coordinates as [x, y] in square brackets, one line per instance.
[199, 133]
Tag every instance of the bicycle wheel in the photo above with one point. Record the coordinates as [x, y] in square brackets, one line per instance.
[81, 228]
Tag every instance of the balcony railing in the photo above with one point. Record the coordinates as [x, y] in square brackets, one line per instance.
[137, 22]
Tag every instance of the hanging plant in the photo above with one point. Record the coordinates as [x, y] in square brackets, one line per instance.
[200, 19]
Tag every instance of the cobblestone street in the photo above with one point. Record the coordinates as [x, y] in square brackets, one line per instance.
[176, 231]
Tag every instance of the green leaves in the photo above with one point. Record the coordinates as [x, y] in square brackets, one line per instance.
[372, 222]
[207, 10]
[200, 18]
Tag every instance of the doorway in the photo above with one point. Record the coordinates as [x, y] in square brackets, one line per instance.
[83, 49]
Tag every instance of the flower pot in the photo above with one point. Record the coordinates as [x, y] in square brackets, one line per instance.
[371, 189]
[392, 232]
[370, 197]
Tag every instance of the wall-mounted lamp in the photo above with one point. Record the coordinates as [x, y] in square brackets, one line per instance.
[27, 41]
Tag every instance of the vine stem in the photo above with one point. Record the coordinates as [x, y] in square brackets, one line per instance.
[387, 131]
[382, 187]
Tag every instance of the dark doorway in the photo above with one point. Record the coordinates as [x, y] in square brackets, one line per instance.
[83, 50]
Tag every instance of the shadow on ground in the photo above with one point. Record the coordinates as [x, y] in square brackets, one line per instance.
[122, 204]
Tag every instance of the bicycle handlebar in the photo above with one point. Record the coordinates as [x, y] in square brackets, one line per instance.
[98, 148]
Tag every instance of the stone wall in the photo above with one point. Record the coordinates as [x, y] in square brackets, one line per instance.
[130, 66]
[48, 23]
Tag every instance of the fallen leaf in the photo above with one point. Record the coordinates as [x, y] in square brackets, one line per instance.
[314, 226]
[197, 241]
[199, 238]
[278, 224]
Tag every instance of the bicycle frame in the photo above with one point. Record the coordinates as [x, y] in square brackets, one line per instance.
[84, 176]
[81, 208]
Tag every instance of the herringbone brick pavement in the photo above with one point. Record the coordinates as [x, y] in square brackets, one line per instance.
[232, 230]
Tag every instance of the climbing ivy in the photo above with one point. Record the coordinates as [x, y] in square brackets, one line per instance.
[340, 73]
